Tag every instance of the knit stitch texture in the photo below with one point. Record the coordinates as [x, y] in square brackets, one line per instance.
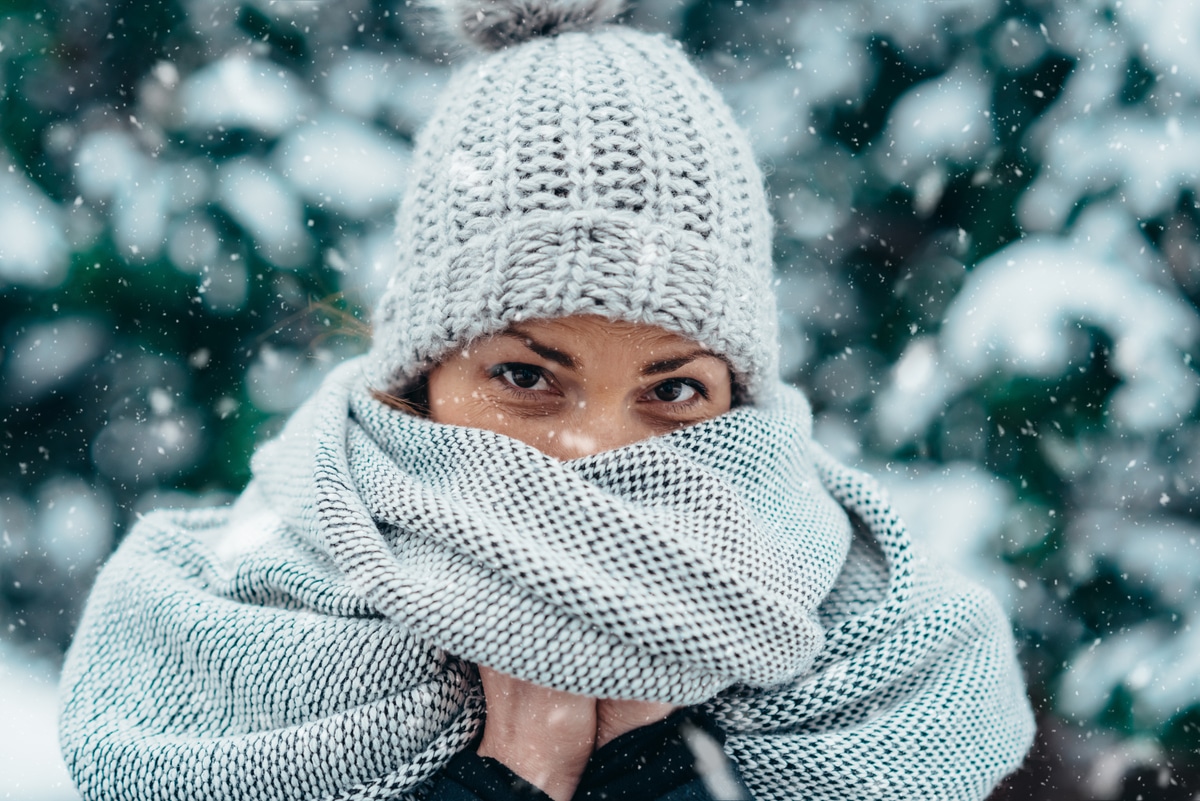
[584, 173]
[314, 640]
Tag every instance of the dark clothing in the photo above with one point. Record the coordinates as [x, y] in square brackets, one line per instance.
[659, 762]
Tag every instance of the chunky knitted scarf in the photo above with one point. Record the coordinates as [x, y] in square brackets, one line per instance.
[316, 639]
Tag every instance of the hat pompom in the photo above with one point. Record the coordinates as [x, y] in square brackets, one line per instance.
[495, 24]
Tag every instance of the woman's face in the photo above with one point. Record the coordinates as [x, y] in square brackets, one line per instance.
[575, 386]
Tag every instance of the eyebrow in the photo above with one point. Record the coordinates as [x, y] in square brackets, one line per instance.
[546, 352]
[670, 365]
[564, 359]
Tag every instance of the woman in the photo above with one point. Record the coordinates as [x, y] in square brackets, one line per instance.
[572, 387]
[562, 532]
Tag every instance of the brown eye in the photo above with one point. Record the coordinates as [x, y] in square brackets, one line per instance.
[521, 376]
[677, 390]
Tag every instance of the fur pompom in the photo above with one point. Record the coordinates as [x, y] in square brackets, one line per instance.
[494, 24]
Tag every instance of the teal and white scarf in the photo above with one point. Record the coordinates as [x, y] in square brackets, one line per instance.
[315, 640]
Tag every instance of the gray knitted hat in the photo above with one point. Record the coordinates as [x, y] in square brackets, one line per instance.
[575, 167]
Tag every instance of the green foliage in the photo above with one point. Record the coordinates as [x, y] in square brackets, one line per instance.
[212, 335]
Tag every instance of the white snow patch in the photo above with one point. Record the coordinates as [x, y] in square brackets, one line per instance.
[243, 92]
[943, 120]
[141, 192]
[1107, 232]
[807, 214]
[1017, 44]
[1159, 667]
[225, 286]
[1022, 312]
[1113, 762]
[48, 355]
[404, 91]
[193, 242]
[345, 165]
[955, 513]
[830, 61]
[268, 209]
[280, 379]
[778, 129]
[107, 160]
[358, 84]
[1171, 681]
[75, 524]
[1150, 158]
[916, 391]
[135, 448]
[1169, 34]
[139, 216]
[923, 29]
[830, 44]
[1160, 553]
[33, 246]
[31, 765]
[1095, 672]
[840, 436]
[16, 525]
[372, 258]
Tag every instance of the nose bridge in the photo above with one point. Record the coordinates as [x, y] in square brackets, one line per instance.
[597, 426]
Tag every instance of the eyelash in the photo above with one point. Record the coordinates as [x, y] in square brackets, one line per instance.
[499, 371]
[701, 392]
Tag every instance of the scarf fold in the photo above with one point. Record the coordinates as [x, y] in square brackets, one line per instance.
[316, 639]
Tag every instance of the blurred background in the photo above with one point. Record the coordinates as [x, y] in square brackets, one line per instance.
[988, 246]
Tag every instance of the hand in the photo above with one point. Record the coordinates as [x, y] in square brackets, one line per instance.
[544, 736]
[614, 718]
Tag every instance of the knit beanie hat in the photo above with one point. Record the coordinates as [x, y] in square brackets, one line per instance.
[576, 167]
